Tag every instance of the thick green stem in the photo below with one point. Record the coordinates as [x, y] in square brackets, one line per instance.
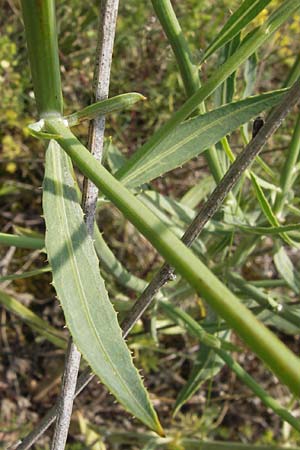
[41, 36]
[262, 341]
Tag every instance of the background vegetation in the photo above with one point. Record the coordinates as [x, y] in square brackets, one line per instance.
[30, 366]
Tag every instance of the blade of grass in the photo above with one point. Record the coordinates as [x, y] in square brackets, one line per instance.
[32, 320]
[237, 22]
[288, 170]
[20, 276]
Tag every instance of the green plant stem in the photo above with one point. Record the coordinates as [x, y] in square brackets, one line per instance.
[171, 26]
[294, 73]
[270, 349]
[286, 175]
[41, 36]
[256, 39]
[21, 241]
[188, 71]
[264, 300]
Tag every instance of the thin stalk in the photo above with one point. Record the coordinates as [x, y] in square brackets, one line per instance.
[264, 300]
[266, 345]
[172, 28]
[189, 71]
[254, 41]
[41, 36]
[294, 73]
[286, 175]
[108, 12]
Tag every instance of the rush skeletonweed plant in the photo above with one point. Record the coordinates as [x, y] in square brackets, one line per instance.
[247, 211]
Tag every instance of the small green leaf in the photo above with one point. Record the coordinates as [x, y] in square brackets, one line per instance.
[103, 107]
[88, 312]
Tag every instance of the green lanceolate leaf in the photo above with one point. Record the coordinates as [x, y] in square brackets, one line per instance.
[113, 104]
[195, 135]
[80, 288]
[248, 10]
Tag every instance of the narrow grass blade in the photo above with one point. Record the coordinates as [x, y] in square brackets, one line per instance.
[32, 320]
[29, 274]
[80, 288]
[195, 135]
[266, 231]
[248, 10]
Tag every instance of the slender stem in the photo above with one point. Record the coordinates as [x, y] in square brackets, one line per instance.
[172, 28]
[294, 73]
[286, 176]
[189, 71]
[106, 35]
[106, 32]
[264, 300]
